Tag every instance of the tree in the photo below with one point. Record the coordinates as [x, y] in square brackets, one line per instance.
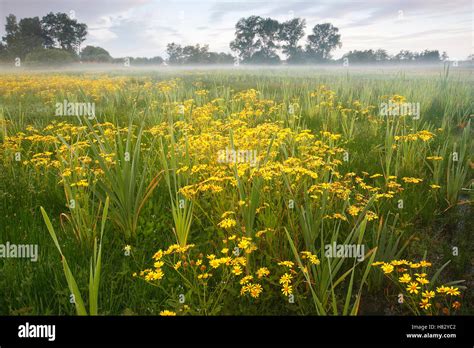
[32, 34]
[24, 37]
[63, 31]
[196, 54]
[429, 56]
[322, 41]
[175, 53]
[49, 56]
[256, 40]
[95, 54]
[381, 55]
[405, 55]
[361, 57]
[245, 37]
[290, 34]
[3, 52]
[221, 58]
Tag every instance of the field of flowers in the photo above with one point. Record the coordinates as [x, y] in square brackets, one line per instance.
[237, 192]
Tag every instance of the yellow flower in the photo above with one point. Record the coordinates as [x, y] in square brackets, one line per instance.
[313, 259]
[412, 180]
[406, 278]
[244, 290]
[67, 173]
[154, 275]
[435, 187]
[442, 289]
[387, 268]
[227, 223]
[262, 272]
[425, 304]
[245, 280]
[428, 294]
[255, 290]
[244, 243]
[413, 288]
[287, 289]
[167, 313]
[204, 276]
[237, 270]
[422, 280]
[286, 278]
[399, 262]
[453, 291]
[158, 255]
[424, 263]
[288, 264]
[214, 263]
[353, 210]
[158, 264]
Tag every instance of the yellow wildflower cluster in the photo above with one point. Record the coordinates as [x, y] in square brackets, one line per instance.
[417, 286]
[423, 135]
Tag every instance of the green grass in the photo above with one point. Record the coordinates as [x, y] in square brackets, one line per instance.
[144, 209]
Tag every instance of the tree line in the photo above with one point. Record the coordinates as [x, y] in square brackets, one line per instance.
[57, 37]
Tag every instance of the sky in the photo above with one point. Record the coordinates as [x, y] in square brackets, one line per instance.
[142, 28]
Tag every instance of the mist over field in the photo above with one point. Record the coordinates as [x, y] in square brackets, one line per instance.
[308, 159]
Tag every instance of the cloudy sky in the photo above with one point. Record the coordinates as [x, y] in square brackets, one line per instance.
[144, 27]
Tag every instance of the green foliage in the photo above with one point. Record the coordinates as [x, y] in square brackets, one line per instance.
[49, 57]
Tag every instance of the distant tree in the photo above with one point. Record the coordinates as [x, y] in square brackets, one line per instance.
[322, 41]
[63, 31]
[444, 56]
[381, 55]
[24, 37]
[49, 56]
[290, 34]
[429, 56]
[256, 40]
[12, 30]
[245, 43]
[405, 55]
[361, 57]
[195, 55]
[95, 54]
[156, 60]
[4, 56]
[145, 61]
[32, 34]
[221, 58]
[175, 53]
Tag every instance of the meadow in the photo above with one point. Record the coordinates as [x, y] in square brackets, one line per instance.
[238, 191]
